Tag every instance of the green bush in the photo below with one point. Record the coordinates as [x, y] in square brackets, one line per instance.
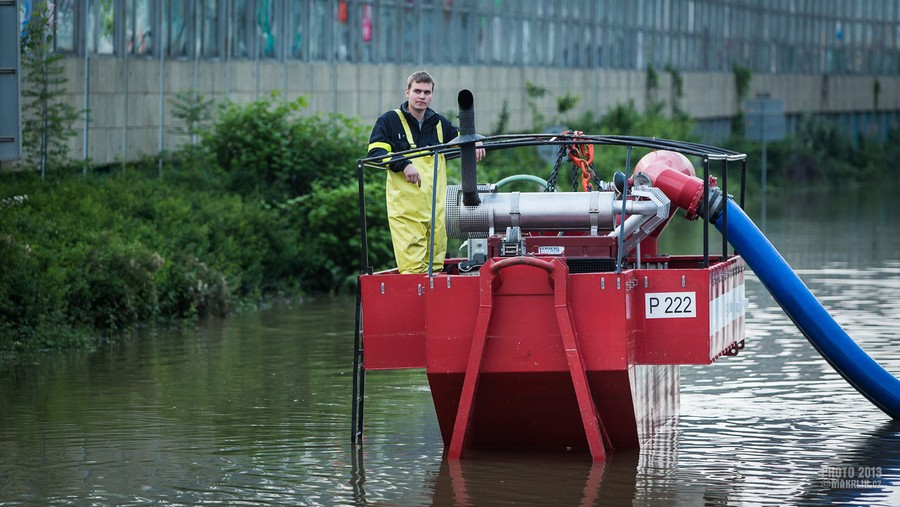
[107, 253]
[188, 288]
[265, 148]
[265, 205]
[115, 287]
[329, 224]
[24, 304]
[819, 154]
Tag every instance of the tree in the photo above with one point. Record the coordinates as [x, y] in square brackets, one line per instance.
[195, 111]
[742, 78]
[46, 118]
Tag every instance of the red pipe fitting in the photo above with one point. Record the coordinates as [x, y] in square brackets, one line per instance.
[674, 174]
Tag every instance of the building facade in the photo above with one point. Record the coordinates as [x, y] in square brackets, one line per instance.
[127, 59]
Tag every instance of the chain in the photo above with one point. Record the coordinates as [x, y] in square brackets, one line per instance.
[582, 158]
[551, 182]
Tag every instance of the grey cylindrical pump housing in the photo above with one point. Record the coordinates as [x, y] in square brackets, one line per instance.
[531, 211]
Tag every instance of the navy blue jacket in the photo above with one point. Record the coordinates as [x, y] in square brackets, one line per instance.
[388, 135]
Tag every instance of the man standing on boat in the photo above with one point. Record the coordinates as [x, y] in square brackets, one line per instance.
[410, 182]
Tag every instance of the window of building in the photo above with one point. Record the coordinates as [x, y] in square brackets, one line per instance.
[482, 37]
[64, 21]
[138, 23]
[101, 24]
[318, 35]
[345, 22]
[410, 31]
[432, 28]
[175, 26]
[267, 29]
[551, 55]
[539, 45]
[366, 33]
[527, 46]
[497, 38]
[243, 29]
[387, 33]
[208, 37]
[298, 20]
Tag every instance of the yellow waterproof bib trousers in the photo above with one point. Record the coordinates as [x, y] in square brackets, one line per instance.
[409, 211]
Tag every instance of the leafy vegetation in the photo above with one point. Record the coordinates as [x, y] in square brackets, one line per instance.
[232, 221]
[820, 154]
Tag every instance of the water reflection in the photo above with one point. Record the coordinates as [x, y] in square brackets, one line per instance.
[255, 410]
[499, 479]
[866, 474]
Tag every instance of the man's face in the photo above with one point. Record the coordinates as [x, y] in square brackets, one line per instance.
[419, 96]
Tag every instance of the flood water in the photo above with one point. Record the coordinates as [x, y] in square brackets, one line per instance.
[255, 409]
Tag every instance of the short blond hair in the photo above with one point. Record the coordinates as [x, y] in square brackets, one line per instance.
[420, 76]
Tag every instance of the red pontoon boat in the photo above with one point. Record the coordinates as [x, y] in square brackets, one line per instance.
[564, 327]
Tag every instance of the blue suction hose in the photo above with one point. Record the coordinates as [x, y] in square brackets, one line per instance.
[832, 342]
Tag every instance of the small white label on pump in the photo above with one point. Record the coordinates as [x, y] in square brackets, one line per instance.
[551, 250]
[670, 305]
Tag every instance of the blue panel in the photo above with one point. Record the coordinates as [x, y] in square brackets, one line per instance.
[10, 128]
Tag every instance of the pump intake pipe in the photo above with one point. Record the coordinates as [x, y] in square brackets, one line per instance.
[669, 172]
[467, 139]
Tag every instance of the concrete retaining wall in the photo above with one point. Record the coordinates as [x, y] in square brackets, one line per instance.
[124, 97]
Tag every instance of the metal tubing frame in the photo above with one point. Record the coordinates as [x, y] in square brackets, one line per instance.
[621, 242]
[725, 209]
[359, 375]
[434, 176]
[743, 181]
[359, 365]
[705, 207]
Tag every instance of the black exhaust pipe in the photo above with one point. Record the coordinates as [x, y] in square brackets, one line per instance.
[467, 139]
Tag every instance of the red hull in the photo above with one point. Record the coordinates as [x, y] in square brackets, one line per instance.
[540, 411]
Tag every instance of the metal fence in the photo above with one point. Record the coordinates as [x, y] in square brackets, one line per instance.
[127, 59]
